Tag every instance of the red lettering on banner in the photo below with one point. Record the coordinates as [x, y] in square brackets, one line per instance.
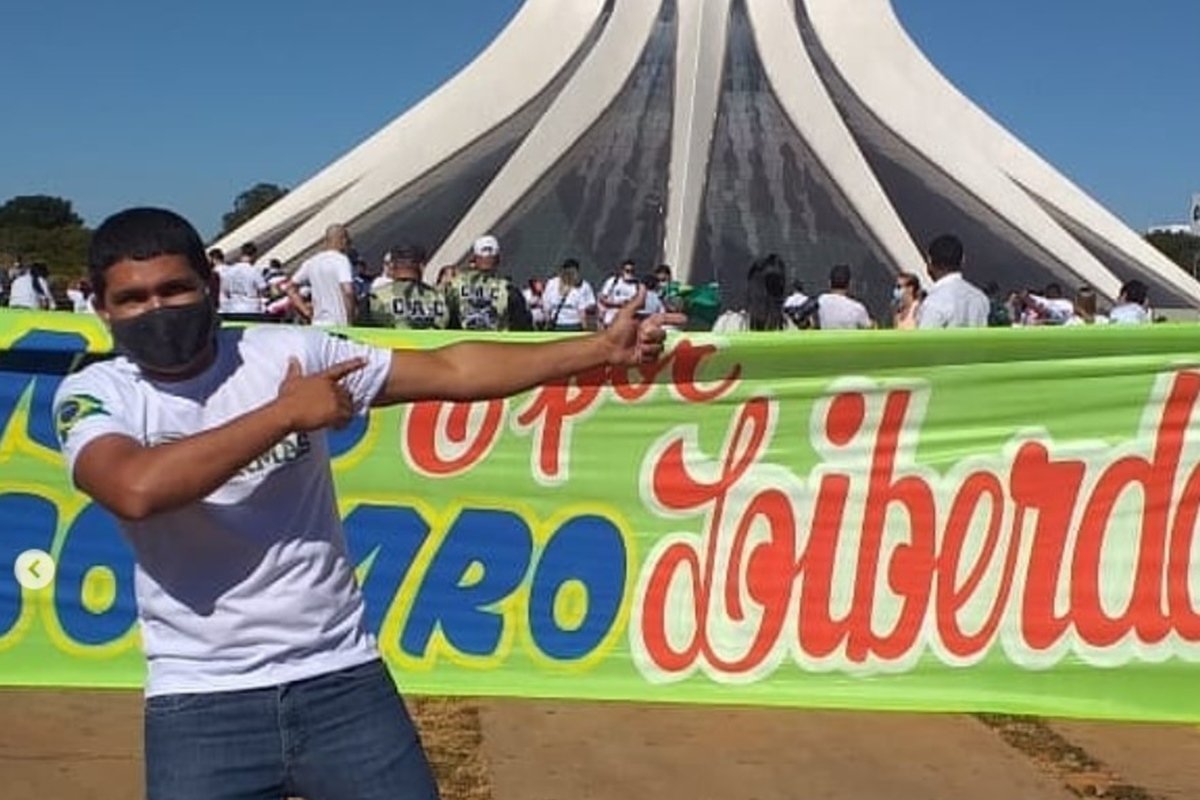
[1180, 602]
[873, 561]
[686, 361]
[952, 597]
[551, 414]
[440, 440]
[912, 565]
[444, 440]
[1051, 490]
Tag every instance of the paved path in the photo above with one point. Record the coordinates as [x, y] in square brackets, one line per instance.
[87, 746]
[1165, 761]
[616, 752]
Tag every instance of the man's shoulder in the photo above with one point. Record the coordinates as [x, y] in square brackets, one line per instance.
[112, 376]
[274, 338]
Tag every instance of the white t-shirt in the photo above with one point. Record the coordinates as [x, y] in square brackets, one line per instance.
[252, 586]
[1123, 314]
[222, 272]
[953, 302]
[838, 312]
[1077, 320]
[242, 288]
[327, 272]
[795, 300]
[81, 304]
[620, 291]
[570, 310]
[23, 293]
[537, 311]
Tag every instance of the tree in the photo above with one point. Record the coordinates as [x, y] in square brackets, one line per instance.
[42, 212]
[46, 229]
[1182, 248]
[249, 204]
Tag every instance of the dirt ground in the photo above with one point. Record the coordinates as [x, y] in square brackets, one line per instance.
[87, 746]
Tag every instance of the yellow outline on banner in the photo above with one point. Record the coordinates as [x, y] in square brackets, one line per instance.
[69, 505]
[542, 534]
[513, 609]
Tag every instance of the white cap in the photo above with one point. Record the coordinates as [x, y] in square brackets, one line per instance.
[487, 246]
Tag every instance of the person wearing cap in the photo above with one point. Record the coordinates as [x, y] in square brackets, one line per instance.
[406, 301]
[481, 299]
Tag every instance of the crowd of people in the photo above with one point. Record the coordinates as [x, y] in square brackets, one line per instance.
[952, 301]
[336, 287]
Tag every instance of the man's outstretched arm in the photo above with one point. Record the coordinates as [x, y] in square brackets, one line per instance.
[135, 482]
[485, 370]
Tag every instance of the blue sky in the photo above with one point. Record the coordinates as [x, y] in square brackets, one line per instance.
[187, 104]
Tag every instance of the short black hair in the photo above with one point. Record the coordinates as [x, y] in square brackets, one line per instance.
[140, 234]
[250, 250]
[409, 251]
[216, 254]
[1135, 292]
[839, 277]
[946, 252]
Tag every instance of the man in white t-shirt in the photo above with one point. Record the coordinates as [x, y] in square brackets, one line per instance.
[617, 291]
[220, 268]
[569, 300]
[1133, 305]
[243, 284]
[208, 445]
[837, 310]
[330, 276]
[952, 302]
[31, 289]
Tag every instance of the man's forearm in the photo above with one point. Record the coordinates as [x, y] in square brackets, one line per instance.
[484, 370]
[166, 477]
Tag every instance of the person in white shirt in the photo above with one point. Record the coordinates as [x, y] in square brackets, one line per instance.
[569, 301]
[535, 292]
[216, 260]
[31, 289]
[208, 445]
[330, 276]
[1133, 305]
[952, 301]
[79, 292]
[837, 309]
[796, 300]
[243, 285]
[618, 290]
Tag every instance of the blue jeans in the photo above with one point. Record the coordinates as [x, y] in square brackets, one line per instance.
[343, 736]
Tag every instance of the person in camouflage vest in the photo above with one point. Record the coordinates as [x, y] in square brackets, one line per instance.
[480, 299]
[405, 301]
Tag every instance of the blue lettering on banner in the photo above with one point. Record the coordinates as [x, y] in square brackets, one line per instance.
[42, 359]
[481, 563]
[591, 552]
[388, 539]
[27, 522]
[95, 541]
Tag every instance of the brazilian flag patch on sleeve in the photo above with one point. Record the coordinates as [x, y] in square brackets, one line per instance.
[76, 409]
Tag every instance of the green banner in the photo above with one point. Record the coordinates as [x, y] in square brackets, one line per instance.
[998, 520]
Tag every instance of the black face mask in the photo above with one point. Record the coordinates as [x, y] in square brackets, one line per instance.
[168, 339]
